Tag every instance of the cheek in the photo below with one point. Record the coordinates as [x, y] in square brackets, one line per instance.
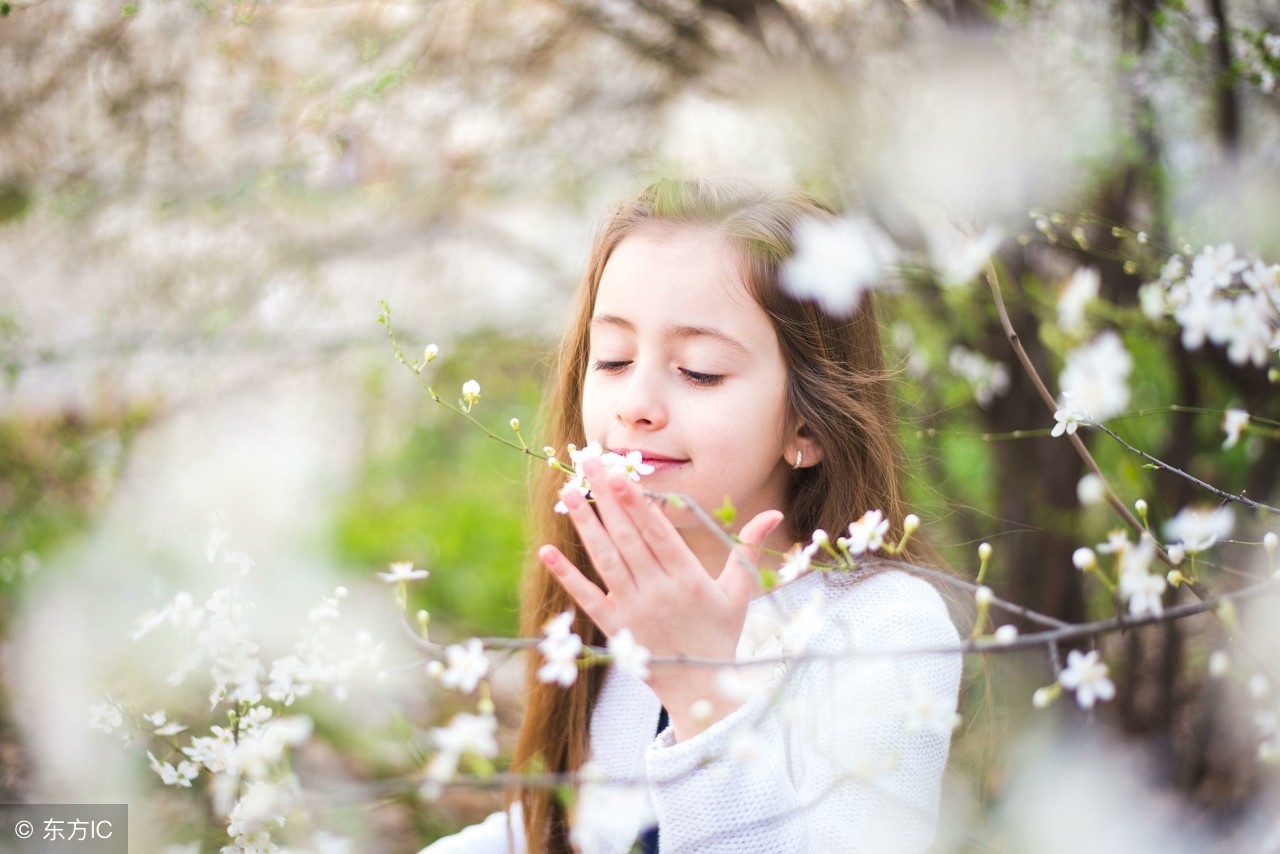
[595, 410]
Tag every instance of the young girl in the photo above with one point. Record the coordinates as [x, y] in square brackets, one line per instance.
[686, 347]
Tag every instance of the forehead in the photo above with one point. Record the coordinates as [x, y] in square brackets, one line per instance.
[685, 277]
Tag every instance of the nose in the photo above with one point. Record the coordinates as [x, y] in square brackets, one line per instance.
[642, 404]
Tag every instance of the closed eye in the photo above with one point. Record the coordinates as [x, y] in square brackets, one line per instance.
[702, 379]
[696, 378]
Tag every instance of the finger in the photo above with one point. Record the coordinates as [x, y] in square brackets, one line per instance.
[738, 580]
[664, 542]
[605, 556]
[629, 540]
[589, 597]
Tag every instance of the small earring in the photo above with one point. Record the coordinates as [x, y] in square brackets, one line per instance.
[799, 457]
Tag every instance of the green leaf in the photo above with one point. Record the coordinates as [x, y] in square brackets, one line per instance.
[726, 512]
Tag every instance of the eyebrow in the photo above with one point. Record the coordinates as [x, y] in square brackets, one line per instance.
[674, 332]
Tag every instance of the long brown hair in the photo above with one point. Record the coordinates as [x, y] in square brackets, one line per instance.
[837, 389]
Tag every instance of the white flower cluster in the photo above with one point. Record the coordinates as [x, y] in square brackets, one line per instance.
[1140, 587]
[865, 535]
[1094, 383]
[561, 647]
[244, 758]
[989, 379]
[1232, 301]
[465, 735]
[632, 465]
[1260, 59]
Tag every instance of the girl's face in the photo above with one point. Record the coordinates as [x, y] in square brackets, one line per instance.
[685, 367]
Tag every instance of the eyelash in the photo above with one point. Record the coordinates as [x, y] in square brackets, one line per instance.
[694, 377]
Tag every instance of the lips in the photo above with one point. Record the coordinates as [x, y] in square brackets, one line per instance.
[660, 462]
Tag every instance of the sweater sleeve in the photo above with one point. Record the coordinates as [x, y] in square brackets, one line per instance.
[487, 837]
[845, 755]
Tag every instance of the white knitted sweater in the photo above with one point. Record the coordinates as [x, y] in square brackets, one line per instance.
[841, 755]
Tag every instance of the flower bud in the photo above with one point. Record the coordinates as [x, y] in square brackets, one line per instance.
[1090, 490]
[1176, 578]
[820, 537]
[1141, 506]
[1044, 696]
[1219, 664]
[515, 424]
[471, 392]
[1006, 634]
[701, 711]
[1084, 559]
[435, 669]
[1269, 542]
[431, 352]
[1177, 554]
[548, 450]
[983, 595]
[984, 551]
[910, 524]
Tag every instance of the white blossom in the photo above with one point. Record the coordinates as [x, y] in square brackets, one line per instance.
[632, 465]
[836, 261]
[1087, 676]
[1140, 587]
[1068, 418]
[867, 534]
[1075, 297]
[403, 571]
[106, 716]
[467, 665]
[929, 712]
[1233, 423]
[466, 734]
[560, 647]
[988, 379]
[594, 819]
[470, 393]
[1198, 528]
[629, 655]
[797, 563]
[1094, 379]
[170, 776]
[956, 256]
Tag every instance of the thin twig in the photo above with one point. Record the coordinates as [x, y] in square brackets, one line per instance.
[1249, 502]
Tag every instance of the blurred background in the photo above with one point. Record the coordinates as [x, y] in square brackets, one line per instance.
[202, 203]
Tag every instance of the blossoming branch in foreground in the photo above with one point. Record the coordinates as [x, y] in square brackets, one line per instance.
[632, 465]
[1094, 383]
[836, 262]
[561, 647]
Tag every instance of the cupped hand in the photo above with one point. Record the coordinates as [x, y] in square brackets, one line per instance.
[655, 586]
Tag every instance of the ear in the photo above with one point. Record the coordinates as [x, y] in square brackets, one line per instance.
[809, 448]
